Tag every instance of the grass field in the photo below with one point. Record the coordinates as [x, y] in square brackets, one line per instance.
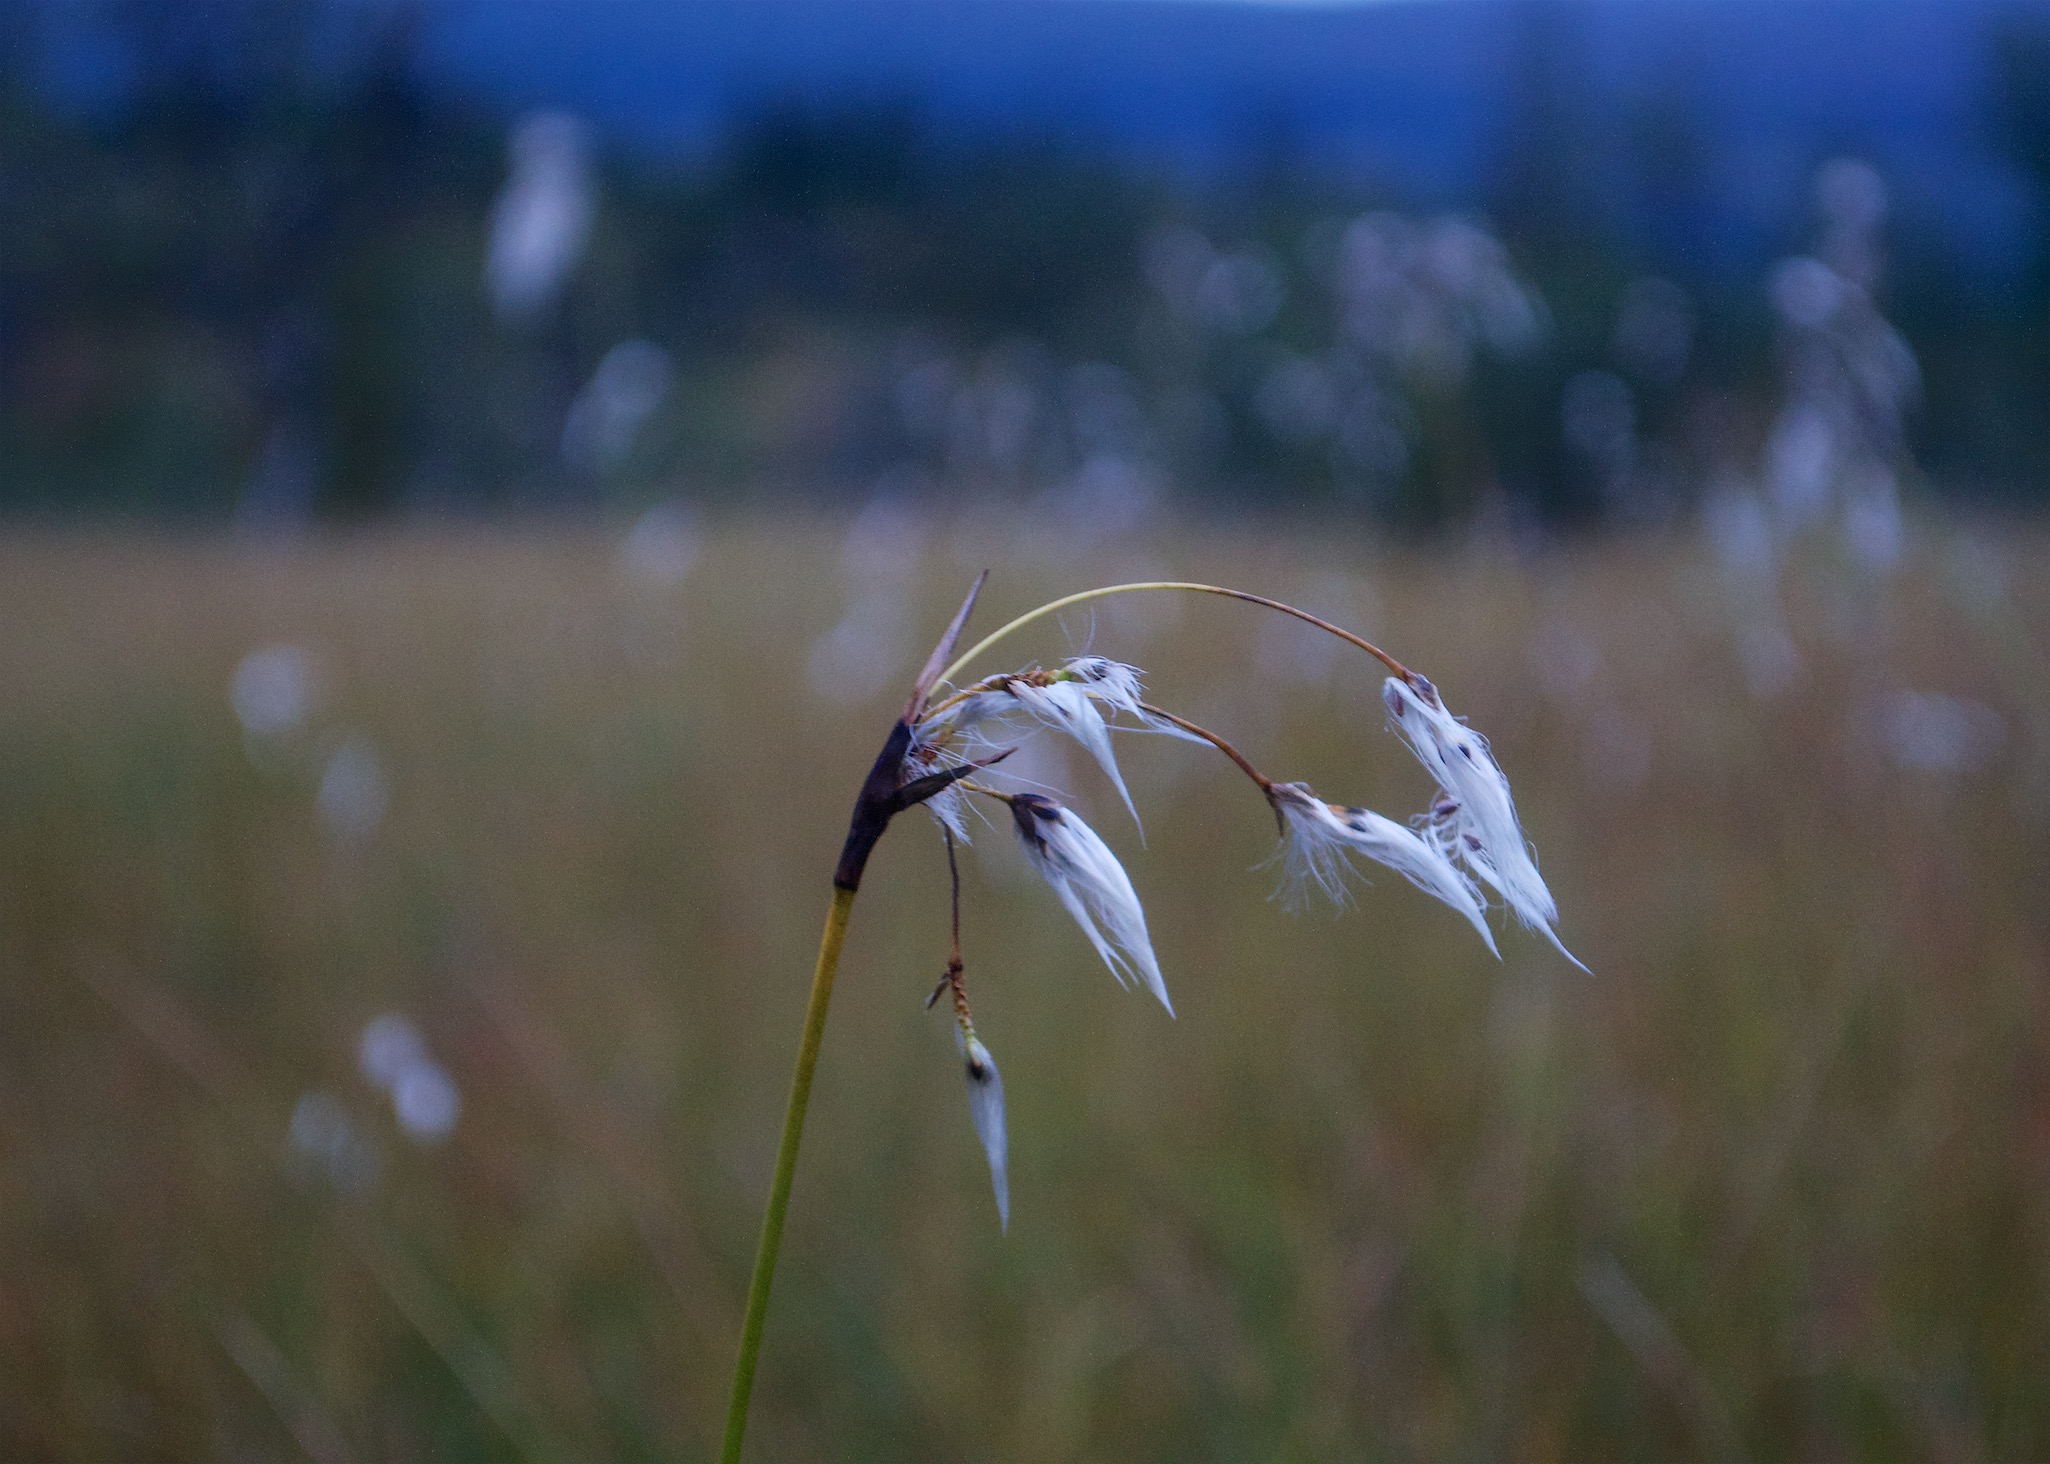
[1773, 1183]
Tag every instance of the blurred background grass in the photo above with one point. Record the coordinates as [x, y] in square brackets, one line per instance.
[475, 481]
[1772, 1183]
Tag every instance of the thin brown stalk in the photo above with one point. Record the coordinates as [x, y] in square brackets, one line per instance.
[1266, 784]
[1416, 681]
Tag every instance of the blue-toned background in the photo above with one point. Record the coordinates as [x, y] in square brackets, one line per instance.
[478, 476]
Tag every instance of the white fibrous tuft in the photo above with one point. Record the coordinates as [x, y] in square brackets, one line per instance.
[1093, 886]
[1313, 849]
[1474, 819]
[1319, 840]
[972, 714]
[1075, 701]
[949, 806]
[949, 809]
[986, 1109]
[1113, 683]
[1066, 706]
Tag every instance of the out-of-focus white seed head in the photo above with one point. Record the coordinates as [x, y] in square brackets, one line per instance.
[1319, 838]
[1093, 886]
[274, 689]
[355, 791]
[986, 1110]
[389, 1045]
[426, 1101]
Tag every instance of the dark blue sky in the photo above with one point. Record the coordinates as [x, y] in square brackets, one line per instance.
[1420, 95]
[1413, 92]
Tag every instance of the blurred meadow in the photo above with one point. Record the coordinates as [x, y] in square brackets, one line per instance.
[405, 935]
[477, 481]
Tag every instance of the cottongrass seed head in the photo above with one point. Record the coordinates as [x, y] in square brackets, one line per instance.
[1087, 878]
[986, 1110]
[1073, 701]
[1474, 817]
[1319, 839]
[1469, 845]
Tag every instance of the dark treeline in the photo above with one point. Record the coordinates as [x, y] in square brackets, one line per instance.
[279, 276]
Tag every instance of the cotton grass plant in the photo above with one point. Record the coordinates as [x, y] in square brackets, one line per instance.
[1466, 850]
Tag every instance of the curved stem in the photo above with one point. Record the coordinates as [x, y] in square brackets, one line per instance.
[786, 1167]
[1266, 783]
[1195, 589]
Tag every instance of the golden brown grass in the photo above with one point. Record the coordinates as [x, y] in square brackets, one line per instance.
[1775, 1182]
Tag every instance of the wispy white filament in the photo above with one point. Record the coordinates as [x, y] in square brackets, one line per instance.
[1093, 886]
[1113, 683]
[542, 221]
[1319, 838]
[1074, 702]
[1475, 821]
[1067, 707]
[949, 806]
[986, 1109]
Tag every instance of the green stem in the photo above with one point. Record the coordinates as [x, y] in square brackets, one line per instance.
[1195, 589]
[786, 1167]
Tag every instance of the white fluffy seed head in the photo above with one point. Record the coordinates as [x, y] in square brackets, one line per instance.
[1474, 819]
[1459, 758]
[1319, 840]
[1113, 683]
[948, 807]
[1093, 886]
[1313, 854]
[1075, 701]
[986, 1110]
[1067, 707]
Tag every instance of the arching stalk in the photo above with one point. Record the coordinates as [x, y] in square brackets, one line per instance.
[1083, 596]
